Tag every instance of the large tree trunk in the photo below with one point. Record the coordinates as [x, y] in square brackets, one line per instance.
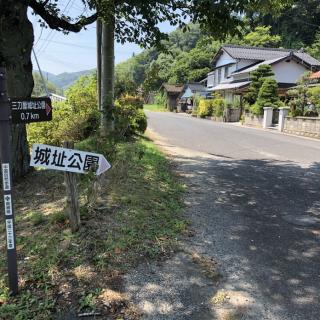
[16, 40]
[107, 77]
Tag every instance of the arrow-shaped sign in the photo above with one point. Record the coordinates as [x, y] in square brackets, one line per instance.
[71, 160]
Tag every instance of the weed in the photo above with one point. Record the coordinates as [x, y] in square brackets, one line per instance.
[58, 217]
[37, 218]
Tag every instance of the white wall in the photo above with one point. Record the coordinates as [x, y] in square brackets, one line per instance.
[288, 72]
[224, 59]
[245, 63]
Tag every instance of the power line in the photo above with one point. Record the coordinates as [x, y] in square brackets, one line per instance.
[53, 32]
[71, 44]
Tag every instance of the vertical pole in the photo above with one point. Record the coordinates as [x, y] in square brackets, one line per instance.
[6, 171]
[71, 182]
[99, 37]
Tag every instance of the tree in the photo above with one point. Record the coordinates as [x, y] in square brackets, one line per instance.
[299, 96]
[297, 25]
[261, 37]
[258, 76]
[268, 96]
[16, 40]
[314, 49]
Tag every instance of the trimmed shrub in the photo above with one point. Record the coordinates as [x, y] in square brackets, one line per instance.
[205, 108]
[129, 120]
[218, 107]
[267, 97]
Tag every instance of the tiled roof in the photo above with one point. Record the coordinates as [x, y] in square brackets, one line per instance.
[171, 88]
[262, 54]
[257, 65]
[196, 87]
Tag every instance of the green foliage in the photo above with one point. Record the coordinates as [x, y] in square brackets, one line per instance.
[314, 96]
[268, 97]
[58, 217]
[160, 99]
[205, 108]
[299, 96]
[297, 24]
[211, 107]
[37, 218]
[257, 78]
[73, 120]
[314, 49]
[261, 37]
[194, 65]
[218, 106]
[129, 120]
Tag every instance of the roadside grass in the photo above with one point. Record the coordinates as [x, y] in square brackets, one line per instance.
[154, 107]
[137, 216]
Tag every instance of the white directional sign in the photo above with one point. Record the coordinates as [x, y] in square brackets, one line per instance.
[67, 159]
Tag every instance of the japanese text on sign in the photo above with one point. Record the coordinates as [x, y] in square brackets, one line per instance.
[29, 105]
[67, 159]
[6, 177]
[10, 237]
[7, 205]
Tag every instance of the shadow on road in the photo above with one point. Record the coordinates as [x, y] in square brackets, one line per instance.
[261, 220]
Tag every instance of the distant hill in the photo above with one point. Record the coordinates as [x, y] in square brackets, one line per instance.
[66, 79]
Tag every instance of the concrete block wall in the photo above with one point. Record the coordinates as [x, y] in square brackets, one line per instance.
[253, 121]
[303, 126]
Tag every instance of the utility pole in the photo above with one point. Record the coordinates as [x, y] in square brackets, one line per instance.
[6, 171]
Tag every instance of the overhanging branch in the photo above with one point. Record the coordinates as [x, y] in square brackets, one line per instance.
[54, 22]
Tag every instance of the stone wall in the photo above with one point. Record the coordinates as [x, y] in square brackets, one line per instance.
[303, 126]
[253, 120]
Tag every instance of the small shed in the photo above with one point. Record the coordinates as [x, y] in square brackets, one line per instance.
[171, 93]
[190, 90]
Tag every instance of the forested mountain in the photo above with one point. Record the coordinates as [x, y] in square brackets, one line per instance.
[66, 79]
[39, 89]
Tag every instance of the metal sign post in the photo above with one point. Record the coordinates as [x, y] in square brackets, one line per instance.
[6, 171]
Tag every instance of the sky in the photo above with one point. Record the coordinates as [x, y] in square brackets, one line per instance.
[58, 53]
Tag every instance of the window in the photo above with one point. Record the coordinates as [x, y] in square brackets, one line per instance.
[226, 72]
[219, 75]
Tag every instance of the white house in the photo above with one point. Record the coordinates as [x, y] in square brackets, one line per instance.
[233, 65]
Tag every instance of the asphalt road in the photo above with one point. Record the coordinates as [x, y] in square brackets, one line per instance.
[253, 201]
